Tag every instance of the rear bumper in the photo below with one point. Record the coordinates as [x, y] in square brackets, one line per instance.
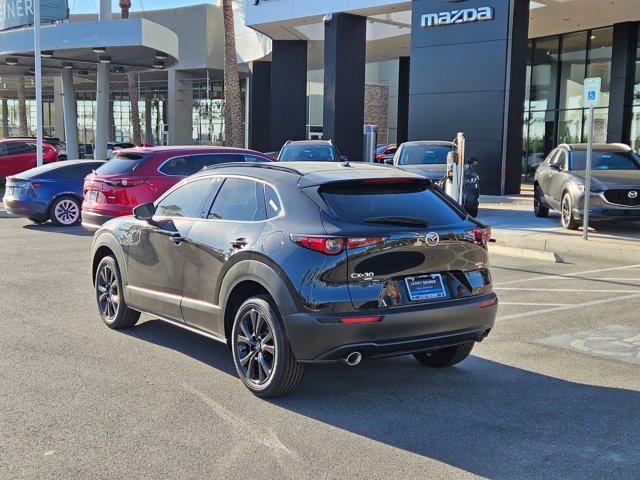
[322, 338]
[93, 221]
[25, 208]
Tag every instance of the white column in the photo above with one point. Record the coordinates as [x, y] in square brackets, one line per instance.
[58, 125]
[104, 12]
[70, 116]
[102, 112]
[180, 108]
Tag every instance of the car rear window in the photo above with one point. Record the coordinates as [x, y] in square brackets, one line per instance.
[355, 202]
[121, 164]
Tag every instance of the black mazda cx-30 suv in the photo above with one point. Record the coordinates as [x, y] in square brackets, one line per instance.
[305, 263]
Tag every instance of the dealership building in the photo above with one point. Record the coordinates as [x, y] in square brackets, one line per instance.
[507, 73]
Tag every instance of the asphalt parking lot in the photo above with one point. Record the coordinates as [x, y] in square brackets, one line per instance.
[553, 392]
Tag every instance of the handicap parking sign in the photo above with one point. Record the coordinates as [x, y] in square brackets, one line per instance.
[592, 88]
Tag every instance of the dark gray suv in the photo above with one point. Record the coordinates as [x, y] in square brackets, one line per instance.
[304, 263]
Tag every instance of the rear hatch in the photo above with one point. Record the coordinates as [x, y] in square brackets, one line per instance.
[111, 184]
[406, 243]
[25, 183]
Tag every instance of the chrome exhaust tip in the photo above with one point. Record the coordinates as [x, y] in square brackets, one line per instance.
[353, 359]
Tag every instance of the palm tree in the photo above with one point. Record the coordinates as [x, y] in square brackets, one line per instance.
[233, 131]
[22, 107]
[134, 95]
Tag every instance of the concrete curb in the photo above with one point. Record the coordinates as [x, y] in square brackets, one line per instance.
[525, 253]
[575, 247]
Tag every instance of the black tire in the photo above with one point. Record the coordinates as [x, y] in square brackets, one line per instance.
[566, 213]
[538, 208]
[473, 211]
[38, 221]
[109, 282]
[445, 357]
[258, 340]
[65, 211]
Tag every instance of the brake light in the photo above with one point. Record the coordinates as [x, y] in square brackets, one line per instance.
[360, 319]
[389, 180]
[358, 242]
[482, 235]
[326, 245]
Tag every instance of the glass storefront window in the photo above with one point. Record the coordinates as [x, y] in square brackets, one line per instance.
[600, 47]
[573, 63]
[601, 116]
[570, 126]
[635, 128]
[545, 58]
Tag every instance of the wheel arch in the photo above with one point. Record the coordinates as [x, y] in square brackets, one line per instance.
[59, 195]
[106, 244]
[249, 278]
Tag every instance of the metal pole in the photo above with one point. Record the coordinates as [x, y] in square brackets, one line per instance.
[462, 145]
[38, 65]
[587, 183]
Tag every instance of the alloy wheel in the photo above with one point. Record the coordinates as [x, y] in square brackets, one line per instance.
[536, 200]
[566, 211]
[255, 347]
[67, 212]
[108, 292]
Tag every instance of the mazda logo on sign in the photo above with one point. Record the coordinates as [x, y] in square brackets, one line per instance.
[633, 194]
[432, 239]
[465, 15]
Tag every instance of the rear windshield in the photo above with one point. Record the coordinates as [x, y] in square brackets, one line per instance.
[424, 155]
[359, 202]
[121, 164]
[605, 160]
[314, 153]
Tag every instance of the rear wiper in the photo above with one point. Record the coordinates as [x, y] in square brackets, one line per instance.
[398, 221]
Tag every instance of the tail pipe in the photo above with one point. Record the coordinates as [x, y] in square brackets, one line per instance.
[353, 359]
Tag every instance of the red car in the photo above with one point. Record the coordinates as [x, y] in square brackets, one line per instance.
[19, 154]
[385, 151]
[140, 175]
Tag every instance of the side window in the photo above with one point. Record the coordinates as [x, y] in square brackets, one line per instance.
[3, 150]
[272, 202]
[391, 151]
[561, 160]
[216, 158]
[240, 200]
[182, 166]
[185, 201]
[20, 148]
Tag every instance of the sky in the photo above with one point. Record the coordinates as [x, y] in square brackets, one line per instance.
[91, 6]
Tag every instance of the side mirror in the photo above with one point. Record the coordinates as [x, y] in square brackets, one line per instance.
[387, 160]
[472, 162]
[144, 212]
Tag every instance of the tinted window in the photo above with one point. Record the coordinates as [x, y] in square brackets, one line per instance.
[391, 151]
[21, 148]
[190, 164]
[255, 158]
[3, 150]
[75, 172]
[216, 158]
[423, 155]
[239, 199]
[312, 153]
[185, 201]
[606, 160]
[354, 202]
[120, 164]
[272, 202]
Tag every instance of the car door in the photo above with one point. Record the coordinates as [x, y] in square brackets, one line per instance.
[21, 157]
[544, 174]
[558, 176]
[225, 235]
[155, 250]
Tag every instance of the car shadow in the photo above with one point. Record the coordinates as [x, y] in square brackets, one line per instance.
[481, 416]
[49, 227]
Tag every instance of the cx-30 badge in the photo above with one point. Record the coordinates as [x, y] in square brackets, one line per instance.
[633, 194]
[432, 239]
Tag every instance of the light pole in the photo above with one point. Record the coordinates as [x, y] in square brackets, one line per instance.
[38, 74]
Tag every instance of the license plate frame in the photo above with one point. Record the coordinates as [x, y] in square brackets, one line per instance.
[432, 288]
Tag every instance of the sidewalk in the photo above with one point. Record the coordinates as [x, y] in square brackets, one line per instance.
[513, 224]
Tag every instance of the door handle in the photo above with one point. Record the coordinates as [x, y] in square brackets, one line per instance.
[239, 242]
[177, 239]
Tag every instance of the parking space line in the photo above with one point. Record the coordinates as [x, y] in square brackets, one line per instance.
[564, 275]
[534, 304]
[571, 307]
[588, 290]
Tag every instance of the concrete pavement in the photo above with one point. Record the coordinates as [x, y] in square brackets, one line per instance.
[553, 392]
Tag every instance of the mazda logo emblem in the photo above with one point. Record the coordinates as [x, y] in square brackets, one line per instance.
[633, 194]
[432, 239]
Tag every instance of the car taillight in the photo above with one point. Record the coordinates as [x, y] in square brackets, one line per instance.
[125, 182]
[326, 245]
[482, 235]
[357, 242]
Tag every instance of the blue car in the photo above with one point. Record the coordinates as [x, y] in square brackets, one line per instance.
[50, 192]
